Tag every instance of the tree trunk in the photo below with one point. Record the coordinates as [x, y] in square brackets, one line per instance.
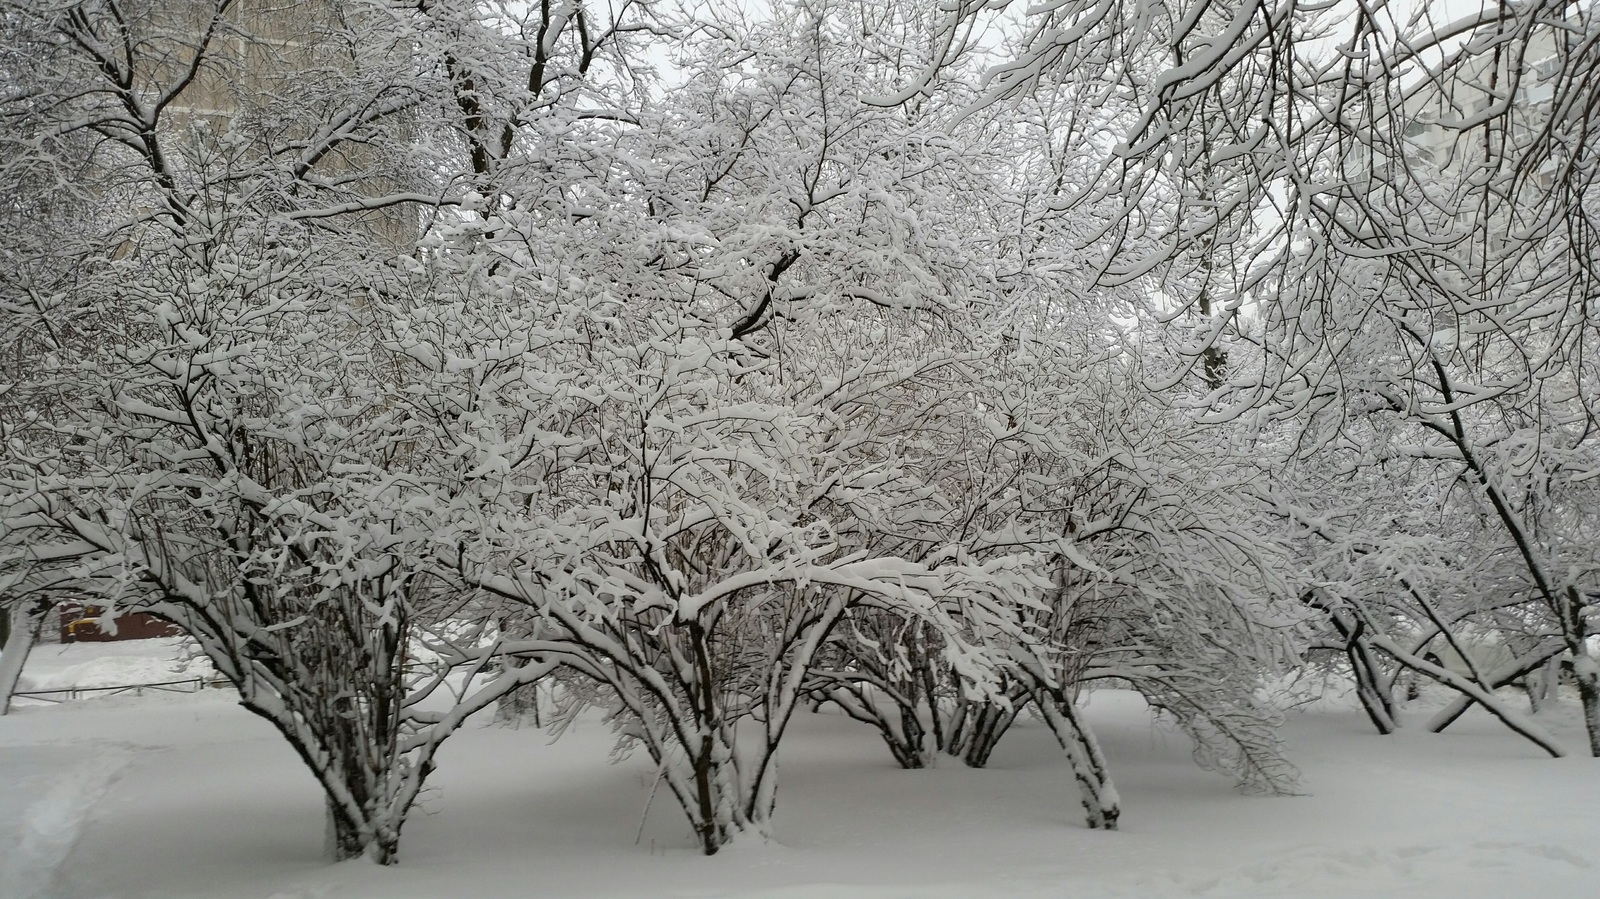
[902, 733]
[1542, 683]
[1374, 687]
[1527, 729]
[976, 727]
[345, 839]
[26, 623]
[1587, 673]
[1585, 669]
[992, 724]
[1101, 805]
[1526, 665]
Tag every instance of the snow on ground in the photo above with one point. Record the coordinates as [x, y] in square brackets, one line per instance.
[47, 793]
[64, 666]
[168, 795]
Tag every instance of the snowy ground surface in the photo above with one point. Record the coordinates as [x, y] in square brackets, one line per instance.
[166, 795]
[66, 666]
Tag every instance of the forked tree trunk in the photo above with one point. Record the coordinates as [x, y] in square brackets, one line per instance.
[1374, 686]
[345, 840]
[980, 728]
[706, 783]
[366, 791]
[333, 684]
[976, 726]
[1518, 724]
[901, 729]
[1537, 666]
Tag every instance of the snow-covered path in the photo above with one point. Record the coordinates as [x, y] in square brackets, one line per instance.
[48, 792]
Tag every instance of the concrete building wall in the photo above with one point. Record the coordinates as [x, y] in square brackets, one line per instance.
[272, 73]
[1442, 118]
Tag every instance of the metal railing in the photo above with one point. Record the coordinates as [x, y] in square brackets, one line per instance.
[67, 694]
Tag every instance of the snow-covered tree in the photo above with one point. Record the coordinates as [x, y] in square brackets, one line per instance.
[1376, 213]
[457, 351]
[694, 378]
[205, 425]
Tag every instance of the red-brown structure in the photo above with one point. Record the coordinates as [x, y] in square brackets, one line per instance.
[81, 624]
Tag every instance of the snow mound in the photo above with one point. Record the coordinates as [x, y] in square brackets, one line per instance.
[71, 666]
